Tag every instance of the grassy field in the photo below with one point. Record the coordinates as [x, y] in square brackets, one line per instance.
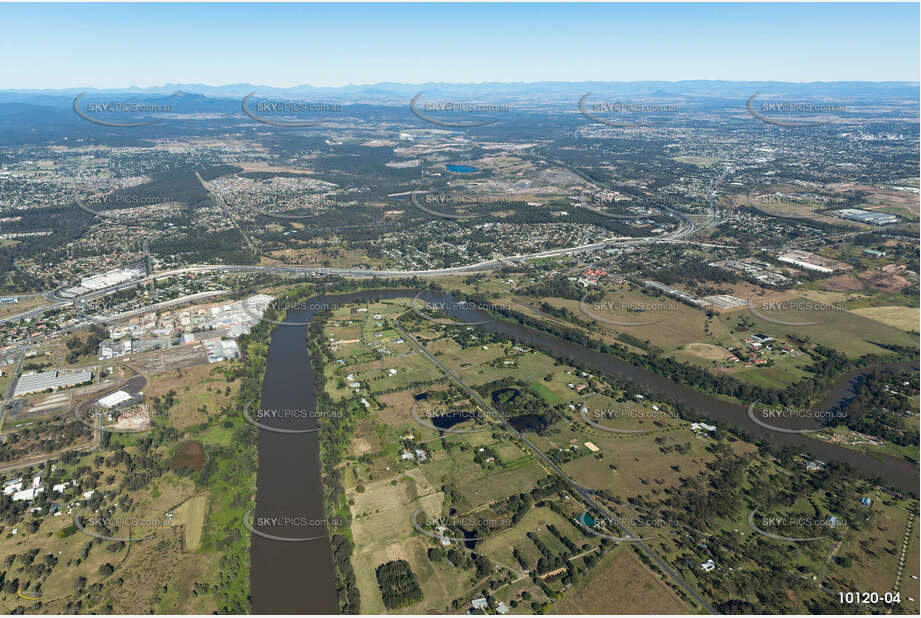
[22, 306]
[382, 531]
[903, 318]
[191, 515]
[200, 392]
[138, 563]
[845, 331]
[679, 326]
[875, 549]
[500, 546]
[6, 378]
[622, 584]
[638, 470]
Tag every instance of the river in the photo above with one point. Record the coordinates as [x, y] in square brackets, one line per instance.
[900, 473]
[290, 577]
[293, 577]
[299, 577]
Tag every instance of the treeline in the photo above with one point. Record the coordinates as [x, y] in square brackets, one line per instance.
[880, 406]
[229, 473]
[558, 286]
[334, 443]
[346, 589]
[43, 438]
[461, 559]
[689, 271]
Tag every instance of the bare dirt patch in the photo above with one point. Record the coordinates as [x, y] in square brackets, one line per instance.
[706, 350]
[190, 455]
[842, 283]
[889, 278]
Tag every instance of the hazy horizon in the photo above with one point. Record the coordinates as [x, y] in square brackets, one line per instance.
[115, 46]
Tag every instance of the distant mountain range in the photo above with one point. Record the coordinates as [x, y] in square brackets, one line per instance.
[201, 96]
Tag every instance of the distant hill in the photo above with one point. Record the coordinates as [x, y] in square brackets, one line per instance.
[392, 92]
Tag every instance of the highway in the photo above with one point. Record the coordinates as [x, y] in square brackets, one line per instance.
[59, 302]
[585, 495]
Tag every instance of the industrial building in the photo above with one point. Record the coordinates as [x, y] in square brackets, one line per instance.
[44, 380]
[676, 293]
[110, 278]
[811, 261]
[867, 216]
[116, 398]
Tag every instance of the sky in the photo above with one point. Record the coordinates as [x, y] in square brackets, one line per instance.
[120, 45]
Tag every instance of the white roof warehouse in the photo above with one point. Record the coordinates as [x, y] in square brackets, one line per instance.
[43, 380]
[110, 401]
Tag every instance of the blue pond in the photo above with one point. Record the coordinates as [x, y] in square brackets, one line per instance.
[461, 169]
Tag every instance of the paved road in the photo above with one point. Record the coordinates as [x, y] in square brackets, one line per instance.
[12, 389]
[59, 302]
[586, 496]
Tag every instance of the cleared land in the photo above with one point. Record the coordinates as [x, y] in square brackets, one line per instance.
[623, 586]
[903, 318]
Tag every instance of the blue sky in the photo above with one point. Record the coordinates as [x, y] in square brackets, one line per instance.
[117, 45]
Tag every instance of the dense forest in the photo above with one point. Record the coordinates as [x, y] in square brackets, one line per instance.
[398, 584]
